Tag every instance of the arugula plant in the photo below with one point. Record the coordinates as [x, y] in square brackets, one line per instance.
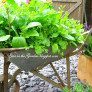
[38, 26]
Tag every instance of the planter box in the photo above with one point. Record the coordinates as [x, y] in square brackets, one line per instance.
[85, 69]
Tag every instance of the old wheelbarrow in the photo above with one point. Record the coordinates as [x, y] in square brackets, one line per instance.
[28, 61]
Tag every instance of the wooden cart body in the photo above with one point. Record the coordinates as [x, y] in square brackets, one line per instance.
[33, 64]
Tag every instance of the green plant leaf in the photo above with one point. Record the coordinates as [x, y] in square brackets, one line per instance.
[4, 38]
[89, 39]
[13, 28]
[11, 2]
[69, 37]
[66, 89]
[38, 50]
[34, 24]
[55, 48]
[31, 46]
[80, 39]
[34, 33]
[63, 44]
[1, 22]
[40, 25]
[19, 42]
[73, 31]
[11, 18]
[46, 42]
[78, 88]
[29, 33]
[2, 33]
[54, 35]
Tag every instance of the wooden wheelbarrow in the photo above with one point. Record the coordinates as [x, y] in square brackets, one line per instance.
[28, 61]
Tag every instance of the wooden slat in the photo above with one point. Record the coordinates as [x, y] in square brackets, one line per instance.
[76, 14]
[11, 49]
[74, 7]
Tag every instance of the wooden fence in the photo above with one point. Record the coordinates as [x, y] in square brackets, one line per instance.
[74, 7]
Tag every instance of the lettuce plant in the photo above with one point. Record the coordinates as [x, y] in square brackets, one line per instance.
[38, 26]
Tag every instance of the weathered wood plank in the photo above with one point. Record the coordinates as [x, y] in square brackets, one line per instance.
[10, 49]
[74, 7]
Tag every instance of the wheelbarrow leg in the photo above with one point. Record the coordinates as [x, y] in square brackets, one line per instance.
[68, 72]
[6, 85]
[13, 78]
[14, 81]
[46, 79]
[6, 66]
[15, 87]
[1, 87]
[56, 73]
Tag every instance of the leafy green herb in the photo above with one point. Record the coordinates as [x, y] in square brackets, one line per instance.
[33, 24]
[55, 48]
[19, 42]
[2, 32]
[37, 25]
[29, 33]
[4, 38]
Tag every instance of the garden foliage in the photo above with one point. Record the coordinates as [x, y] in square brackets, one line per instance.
[38, 26]
[88, 46]
[78, 87]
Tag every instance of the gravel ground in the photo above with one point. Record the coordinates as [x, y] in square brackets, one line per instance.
[32, 83]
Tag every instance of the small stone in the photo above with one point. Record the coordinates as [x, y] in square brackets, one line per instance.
[24, 76]
[50, 90]
[34, 89]
[30, 75]
[42, 83]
